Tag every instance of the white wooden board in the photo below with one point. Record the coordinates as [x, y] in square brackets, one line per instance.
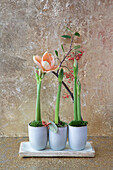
[27, 151]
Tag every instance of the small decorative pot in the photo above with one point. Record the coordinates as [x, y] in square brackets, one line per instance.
[37, 137]
[77, 137]
[57, 141]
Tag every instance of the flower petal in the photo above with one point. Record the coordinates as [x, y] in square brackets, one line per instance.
[52, 61]
[49, 58]
[51, 69]
[45, 65]
[37, 60]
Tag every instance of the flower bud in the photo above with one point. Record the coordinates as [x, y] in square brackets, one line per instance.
[75, 68]
[61, 75]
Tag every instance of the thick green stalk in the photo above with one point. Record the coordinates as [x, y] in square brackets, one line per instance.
[38, 112]
[75, 73]
[78, 101]
[57, 103]
[75, 99]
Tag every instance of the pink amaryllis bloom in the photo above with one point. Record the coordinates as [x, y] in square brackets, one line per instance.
[46, 63]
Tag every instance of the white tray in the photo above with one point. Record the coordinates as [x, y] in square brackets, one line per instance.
[27, 151]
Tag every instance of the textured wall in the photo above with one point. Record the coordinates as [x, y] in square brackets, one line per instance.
[29, 27]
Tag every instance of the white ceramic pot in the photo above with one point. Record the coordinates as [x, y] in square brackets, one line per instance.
[37, 137]
[77, 137]
[57, 141]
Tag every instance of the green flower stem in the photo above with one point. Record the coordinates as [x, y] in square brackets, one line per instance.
[38, 112]
[75, 99]
[78, 101]
[57, 103]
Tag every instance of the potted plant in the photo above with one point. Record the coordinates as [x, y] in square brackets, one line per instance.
[38, 129]
[45, 65]
[77, 127]
[58, 138]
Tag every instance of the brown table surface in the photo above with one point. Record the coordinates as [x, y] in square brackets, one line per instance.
[9, 158]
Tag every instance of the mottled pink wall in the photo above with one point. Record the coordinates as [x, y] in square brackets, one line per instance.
[32, 27]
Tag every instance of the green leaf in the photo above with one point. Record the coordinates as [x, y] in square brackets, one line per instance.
[76, 47]
[56, 52]
[79, 52]
[66, 36]
[61, 75]
[62, 47]
[77, 34]
[53, 127]
[68, 29]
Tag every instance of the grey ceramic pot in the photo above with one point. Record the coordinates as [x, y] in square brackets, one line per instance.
[38, 137]
[57, 141]
[77, 137]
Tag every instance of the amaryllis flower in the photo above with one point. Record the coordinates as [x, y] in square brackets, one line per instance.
[46, 63]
